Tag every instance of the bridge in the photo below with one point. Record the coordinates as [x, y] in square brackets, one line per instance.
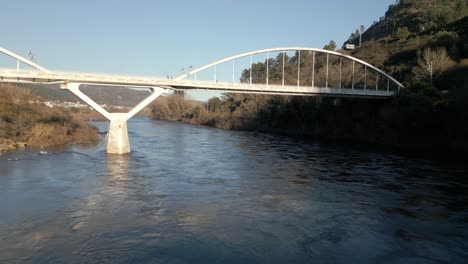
[316, 72]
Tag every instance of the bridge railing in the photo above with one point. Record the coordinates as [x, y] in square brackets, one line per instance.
[297, 66]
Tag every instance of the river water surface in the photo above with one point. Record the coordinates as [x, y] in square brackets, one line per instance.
[189, 194]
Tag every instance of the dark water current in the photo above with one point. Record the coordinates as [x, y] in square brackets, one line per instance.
[190, 194]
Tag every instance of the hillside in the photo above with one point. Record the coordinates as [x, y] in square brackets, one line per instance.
[110, 95]
[415, 35]
[416, 17]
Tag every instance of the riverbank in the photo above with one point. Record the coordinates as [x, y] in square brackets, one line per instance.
[420, 119]
[9, 145]
[25, 122]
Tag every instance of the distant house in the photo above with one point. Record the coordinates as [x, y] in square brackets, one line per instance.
[349, 46]
[49, 104]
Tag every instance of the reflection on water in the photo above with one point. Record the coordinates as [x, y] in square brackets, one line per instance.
[117, 166]
[190, 194]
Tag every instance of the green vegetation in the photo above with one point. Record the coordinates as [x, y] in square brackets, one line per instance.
[22, 119]
[420, 118]
[418, 17]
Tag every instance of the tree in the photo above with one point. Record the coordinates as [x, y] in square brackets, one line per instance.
[180, 93]
[330, 46]
[447, 39]
[432, 64]
[362, 29]
[215, 104]
[461, 8]
[402, 33]
[196, 112]
[160, 109]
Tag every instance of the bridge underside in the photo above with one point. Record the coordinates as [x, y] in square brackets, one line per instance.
[272, 89]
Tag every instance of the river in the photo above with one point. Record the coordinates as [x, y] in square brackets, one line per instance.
[192, 194]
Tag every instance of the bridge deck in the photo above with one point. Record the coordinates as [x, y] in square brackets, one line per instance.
[8, 75]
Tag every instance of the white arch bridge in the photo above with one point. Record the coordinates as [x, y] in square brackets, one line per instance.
[308, 72]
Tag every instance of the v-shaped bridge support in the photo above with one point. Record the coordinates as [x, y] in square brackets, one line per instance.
[117, 140]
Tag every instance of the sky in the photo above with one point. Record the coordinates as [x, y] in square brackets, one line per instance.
[158, 38]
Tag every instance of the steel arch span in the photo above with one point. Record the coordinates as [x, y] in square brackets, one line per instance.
[285, 49]
[23, 60]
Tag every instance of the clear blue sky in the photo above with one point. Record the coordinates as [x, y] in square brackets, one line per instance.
[158, 38]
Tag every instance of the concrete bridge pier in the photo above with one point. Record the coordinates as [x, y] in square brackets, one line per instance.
[117, 139]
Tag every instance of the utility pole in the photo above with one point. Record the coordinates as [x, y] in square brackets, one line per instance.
[430, 68]
[361, 30]
[360, 39]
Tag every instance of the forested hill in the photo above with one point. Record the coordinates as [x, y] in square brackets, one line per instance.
[411, 34]
[417, 17]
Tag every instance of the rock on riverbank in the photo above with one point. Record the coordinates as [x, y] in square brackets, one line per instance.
[9, 145]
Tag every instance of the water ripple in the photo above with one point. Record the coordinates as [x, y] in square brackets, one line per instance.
[192, 194]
